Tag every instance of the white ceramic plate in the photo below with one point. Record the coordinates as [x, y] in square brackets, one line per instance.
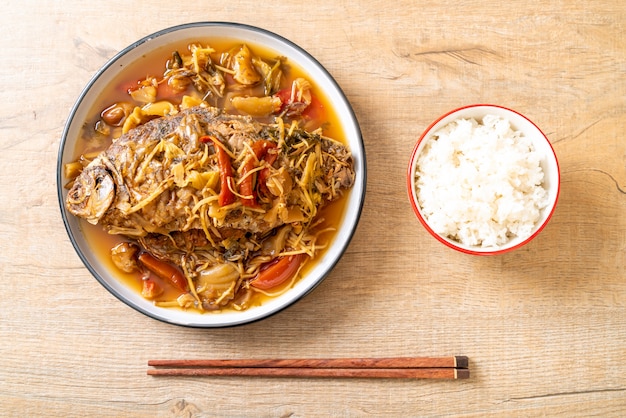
[204, 31]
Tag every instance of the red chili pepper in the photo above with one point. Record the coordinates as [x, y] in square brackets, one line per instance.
[262, 147]
[164, 270]
[247, 187]
[226, 196]
[277, 271]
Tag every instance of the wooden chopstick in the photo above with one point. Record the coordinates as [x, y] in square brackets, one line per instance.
[460, 362]
[411, 373]
[455, 367]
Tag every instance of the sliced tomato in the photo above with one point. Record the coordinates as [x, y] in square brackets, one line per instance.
[285, 97]
[315, 110]
[129, 86]
[277, 271]
[166, 92]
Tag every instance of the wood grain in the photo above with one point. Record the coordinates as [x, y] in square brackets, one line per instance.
[69, 348]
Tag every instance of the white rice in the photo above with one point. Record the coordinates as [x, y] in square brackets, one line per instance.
[480, 184]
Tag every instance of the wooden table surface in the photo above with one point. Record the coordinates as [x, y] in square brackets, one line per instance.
[544, 327]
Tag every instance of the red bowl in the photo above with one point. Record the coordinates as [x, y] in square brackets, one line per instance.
[548, 163]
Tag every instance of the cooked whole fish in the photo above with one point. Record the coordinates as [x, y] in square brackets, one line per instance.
[169, 176]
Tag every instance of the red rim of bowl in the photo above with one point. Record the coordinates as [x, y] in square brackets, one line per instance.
[416, 210]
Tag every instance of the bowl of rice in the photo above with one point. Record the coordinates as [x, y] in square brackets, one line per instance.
[483, 179]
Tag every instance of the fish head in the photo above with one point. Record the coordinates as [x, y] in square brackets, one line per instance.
[91, 194]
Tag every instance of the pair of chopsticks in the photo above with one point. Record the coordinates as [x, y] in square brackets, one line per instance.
[454, 367]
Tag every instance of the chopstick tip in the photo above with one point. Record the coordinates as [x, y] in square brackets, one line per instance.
[462, 362]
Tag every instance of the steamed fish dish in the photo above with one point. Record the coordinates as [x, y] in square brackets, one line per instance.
[215, 197]
[205, 170]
